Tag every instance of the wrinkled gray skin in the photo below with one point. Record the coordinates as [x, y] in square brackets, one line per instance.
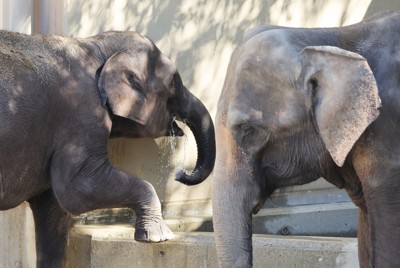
[299, 104]
[60, 101]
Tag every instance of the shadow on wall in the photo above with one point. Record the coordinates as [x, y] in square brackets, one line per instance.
[199, 43]
[199, 36]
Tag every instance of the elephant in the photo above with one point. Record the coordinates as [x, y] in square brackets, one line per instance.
[303, 103]
[61, 99]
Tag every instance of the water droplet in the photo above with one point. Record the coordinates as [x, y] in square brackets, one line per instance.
[169, 161]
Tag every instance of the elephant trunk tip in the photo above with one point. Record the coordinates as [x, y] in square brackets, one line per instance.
[193, 179]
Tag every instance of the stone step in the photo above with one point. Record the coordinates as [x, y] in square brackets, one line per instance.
[336, 219]
[332, 219]
[114, 246]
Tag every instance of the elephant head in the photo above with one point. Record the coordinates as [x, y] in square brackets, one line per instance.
[288, 114]
[62, 103]
[144, 93]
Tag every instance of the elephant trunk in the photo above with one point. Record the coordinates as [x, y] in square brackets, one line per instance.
[195, 115]
[235, 194]
[232, 228]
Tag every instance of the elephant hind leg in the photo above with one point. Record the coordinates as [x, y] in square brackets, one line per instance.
[52, 224]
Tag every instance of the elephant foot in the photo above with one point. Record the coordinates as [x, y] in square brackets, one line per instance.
[152, 232]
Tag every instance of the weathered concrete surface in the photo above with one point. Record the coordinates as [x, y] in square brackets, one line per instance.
[331, 219]
[114, 246]
[17, 238]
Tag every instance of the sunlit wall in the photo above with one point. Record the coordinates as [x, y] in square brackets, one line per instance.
[199, 36]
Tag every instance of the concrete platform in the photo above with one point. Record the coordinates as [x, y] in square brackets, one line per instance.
[114, 246]
[328, 219]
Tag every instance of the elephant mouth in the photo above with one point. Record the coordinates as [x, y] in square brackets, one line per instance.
[174, 130]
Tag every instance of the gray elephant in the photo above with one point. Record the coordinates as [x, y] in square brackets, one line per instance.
[299, 104]
[60, 100]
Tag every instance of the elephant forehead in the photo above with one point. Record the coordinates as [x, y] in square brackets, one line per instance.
[271, 102]
[239, 116]
[270, 50]
[265, 90]
[262, 86]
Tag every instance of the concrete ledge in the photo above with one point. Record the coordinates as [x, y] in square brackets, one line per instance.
[332, 219]
[114, 246]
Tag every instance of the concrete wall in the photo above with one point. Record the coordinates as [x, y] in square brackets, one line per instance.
[199, 36]
[113, 246]
[17, 239]
[16, 15]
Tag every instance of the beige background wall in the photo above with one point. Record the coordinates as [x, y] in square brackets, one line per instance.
[199, 36]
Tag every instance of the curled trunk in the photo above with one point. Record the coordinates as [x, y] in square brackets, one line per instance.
[194, 114]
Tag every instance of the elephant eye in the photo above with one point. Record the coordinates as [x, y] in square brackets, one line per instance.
[313, 84]
[172, 84]
[176, 81]
[247, 130]
[134, 84]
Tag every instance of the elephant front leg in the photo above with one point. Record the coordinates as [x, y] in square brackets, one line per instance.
[52, 224]
[364, 241]
[150, 227]
[381, 247]
[106, 187]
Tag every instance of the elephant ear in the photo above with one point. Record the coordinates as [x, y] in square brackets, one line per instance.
[119, 89]
[344, 96]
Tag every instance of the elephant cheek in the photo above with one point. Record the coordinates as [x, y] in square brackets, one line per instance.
[160, 122]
